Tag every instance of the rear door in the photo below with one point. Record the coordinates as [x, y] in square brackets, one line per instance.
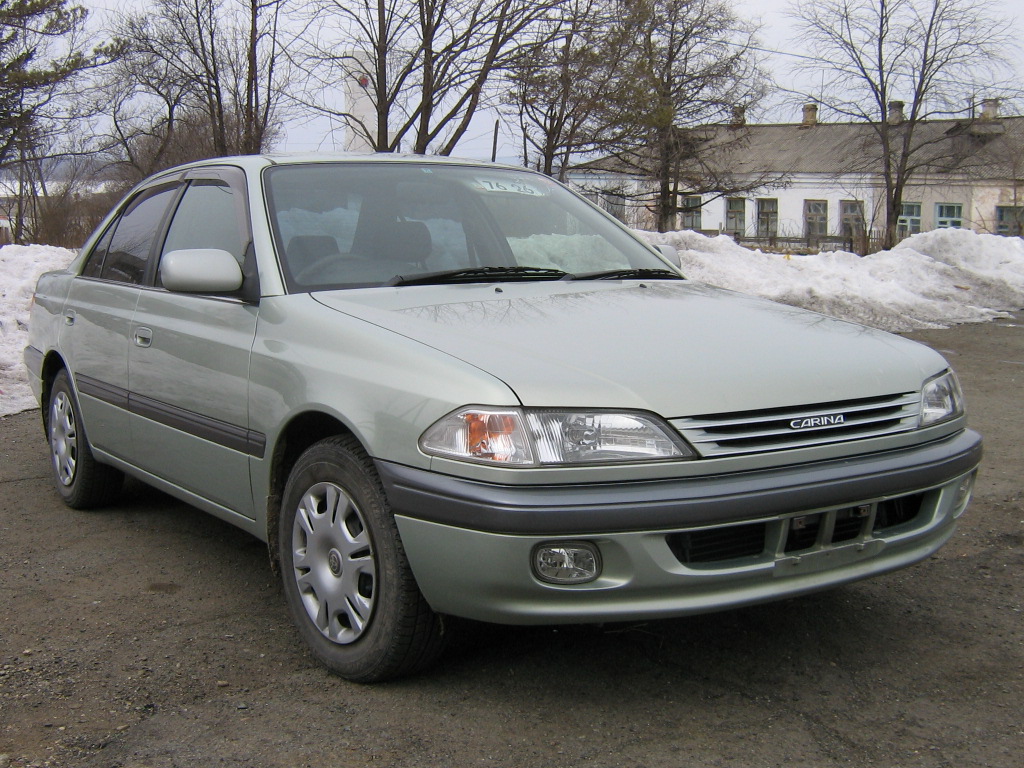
[189, 357]
[96, 327]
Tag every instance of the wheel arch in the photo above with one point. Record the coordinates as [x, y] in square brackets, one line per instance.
[302, 431]
[53, 363]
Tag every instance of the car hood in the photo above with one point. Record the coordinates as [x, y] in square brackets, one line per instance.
[674, 348]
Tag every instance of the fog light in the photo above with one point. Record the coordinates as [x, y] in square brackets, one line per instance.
[575, 562]
[963, 494]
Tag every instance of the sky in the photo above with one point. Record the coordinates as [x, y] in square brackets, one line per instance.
[775, 35]
[316, 134]
[781, 51]
[929, 280]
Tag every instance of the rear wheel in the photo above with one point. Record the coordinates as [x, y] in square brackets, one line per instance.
[80, 480]
[348, 585]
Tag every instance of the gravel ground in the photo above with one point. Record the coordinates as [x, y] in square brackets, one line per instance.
[149, 635]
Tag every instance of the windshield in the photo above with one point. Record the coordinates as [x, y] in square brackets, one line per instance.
[347, 225]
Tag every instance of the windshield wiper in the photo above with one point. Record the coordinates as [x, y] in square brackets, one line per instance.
[481, 275]
[630, 274]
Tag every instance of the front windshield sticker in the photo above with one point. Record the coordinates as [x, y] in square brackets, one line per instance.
[507, 185]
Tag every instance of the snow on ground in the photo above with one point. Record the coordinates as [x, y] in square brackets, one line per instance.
[930, 280]
[20, 265]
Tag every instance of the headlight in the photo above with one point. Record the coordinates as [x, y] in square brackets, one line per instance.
[546, 437]
[941, 399]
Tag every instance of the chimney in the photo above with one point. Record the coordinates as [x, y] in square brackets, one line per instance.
[739, 117]
[895, 113]
[810, 115]
[990, 109]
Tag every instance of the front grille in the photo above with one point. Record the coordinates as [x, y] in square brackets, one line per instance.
[849, 524]
[896, 512]
[775, 429]
[772, 539]
[714, 544]
[803, 533]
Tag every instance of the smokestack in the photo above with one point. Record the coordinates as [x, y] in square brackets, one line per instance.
[990, 109]
[358, 103]
[810, 115]
[895, 113]
[739, 116]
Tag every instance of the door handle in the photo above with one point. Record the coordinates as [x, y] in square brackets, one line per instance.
[143, 336]
[69, 317]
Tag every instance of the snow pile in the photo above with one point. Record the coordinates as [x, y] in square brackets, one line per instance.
[931, 280]
[20, 265]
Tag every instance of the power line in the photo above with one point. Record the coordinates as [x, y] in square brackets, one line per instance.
[780, 53]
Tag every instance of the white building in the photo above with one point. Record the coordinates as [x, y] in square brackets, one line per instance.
[824, 186]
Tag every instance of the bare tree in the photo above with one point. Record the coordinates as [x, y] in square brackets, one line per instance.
[46, 58]
[693, 65]
[563, 92]
[200, 78]
[53, 196]
[425, 65]
[897, 64]
[368, 41]
[43, 52]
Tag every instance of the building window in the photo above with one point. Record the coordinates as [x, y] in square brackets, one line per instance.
[691, 213]
[736, 216]
[851, 218]
[1010, 220]
[909, 222]
[767, 218]
[815, 219]
[949, 215]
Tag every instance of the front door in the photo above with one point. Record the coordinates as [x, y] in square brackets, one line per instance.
[189, 359]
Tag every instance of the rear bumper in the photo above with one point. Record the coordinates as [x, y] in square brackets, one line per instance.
[471, 544]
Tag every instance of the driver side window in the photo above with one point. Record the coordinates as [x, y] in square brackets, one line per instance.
[207, 218]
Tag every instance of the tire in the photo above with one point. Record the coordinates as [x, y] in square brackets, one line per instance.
[81, 481]
[348, 585]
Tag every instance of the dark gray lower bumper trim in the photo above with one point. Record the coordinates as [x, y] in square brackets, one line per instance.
[33, 361]
[676, 503]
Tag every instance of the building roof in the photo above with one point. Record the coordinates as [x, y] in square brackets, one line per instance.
[978, 148]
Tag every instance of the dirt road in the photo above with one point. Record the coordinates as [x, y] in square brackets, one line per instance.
[150, 636]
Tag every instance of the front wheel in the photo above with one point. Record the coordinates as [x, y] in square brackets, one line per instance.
[347, 583]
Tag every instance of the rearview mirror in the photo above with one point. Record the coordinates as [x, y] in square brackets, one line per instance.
[200, 270]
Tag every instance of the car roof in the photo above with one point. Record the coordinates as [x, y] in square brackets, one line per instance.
[257, 162]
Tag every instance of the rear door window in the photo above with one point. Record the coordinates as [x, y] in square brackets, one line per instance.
[132, 242]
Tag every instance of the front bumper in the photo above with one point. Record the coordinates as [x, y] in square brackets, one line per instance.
[675, 547]
[34, 365]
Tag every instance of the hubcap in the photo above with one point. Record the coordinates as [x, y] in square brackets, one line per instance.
[332, 563]
[63, 438]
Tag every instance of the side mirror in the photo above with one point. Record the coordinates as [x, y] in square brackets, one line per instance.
[670, 253]
[200, 270]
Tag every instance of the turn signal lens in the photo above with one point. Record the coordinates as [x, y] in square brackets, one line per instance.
[963, 494]
[478, 434]
[491, 436]
[941, 399]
